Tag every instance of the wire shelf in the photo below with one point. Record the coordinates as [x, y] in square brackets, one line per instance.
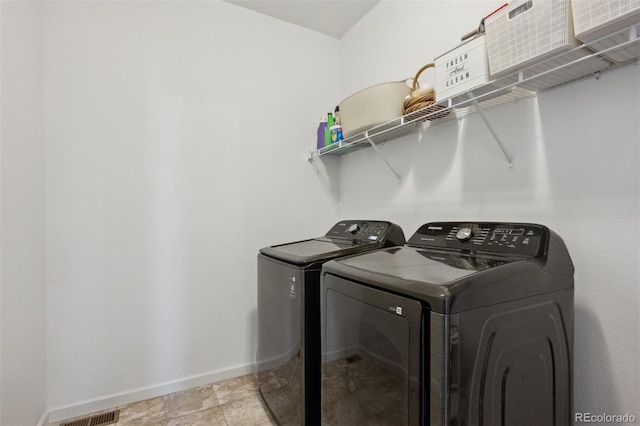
[588, 60]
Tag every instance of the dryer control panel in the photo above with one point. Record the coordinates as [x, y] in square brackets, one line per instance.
[521, 239]
[361, 230]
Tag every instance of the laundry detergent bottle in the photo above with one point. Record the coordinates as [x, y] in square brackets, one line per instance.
[330, 122]
[322, 131]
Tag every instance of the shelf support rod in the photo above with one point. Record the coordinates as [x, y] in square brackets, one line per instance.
[491, 129]
[377, 150]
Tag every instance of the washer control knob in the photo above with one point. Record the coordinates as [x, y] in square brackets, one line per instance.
[464, 234]
[353, 228]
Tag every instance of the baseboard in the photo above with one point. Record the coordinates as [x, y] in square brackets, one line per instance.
[107, 402]
[278, 360]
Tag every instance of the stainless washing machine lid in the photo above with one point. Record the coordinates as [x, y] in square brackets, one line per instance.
[316, 250]
[434, 268]
[344, 238]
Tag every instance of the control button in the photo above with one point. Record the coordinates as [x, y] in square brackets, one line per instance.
[353, 228]
[464, 234]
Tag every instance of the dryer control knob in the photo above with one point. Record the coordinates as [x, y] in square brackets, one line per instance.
[464, 234]
[353, 228]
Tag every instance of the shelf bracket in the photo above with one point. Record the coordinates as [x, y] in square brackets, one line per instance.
[491, 129]
[377, 150]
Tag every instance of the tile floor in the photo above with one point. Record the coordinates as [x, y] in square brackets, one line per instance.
[233, 402]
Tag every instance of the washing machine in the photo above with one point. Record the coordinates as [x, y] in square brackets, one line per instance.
[469, 323]
[288, 353]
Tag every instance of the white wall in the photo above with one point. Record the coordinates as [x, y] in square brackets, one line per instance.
[22, 276]
[576, 153]
[176, 141]
[174, 147]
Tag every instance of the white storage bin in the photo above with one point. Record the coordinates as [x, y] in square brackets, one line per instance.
[595, 19]
[373, 106]
[462, 69]
[528, 31]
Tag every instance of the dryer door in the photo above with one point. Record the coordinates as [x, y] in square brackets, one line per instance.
[371, 355]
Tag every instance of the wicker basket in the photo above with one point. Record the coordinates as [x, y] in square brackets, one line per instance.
[422, 104]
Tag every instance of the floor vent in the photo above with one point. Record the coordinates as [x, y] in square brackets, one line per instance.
[97, 420]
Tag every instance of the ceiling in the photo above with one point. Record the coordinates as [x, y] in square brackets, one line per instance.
[331, 17]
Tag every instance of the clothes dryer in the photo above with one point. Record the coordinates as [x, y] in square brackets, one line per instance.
[470, 323]
[288, 355]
